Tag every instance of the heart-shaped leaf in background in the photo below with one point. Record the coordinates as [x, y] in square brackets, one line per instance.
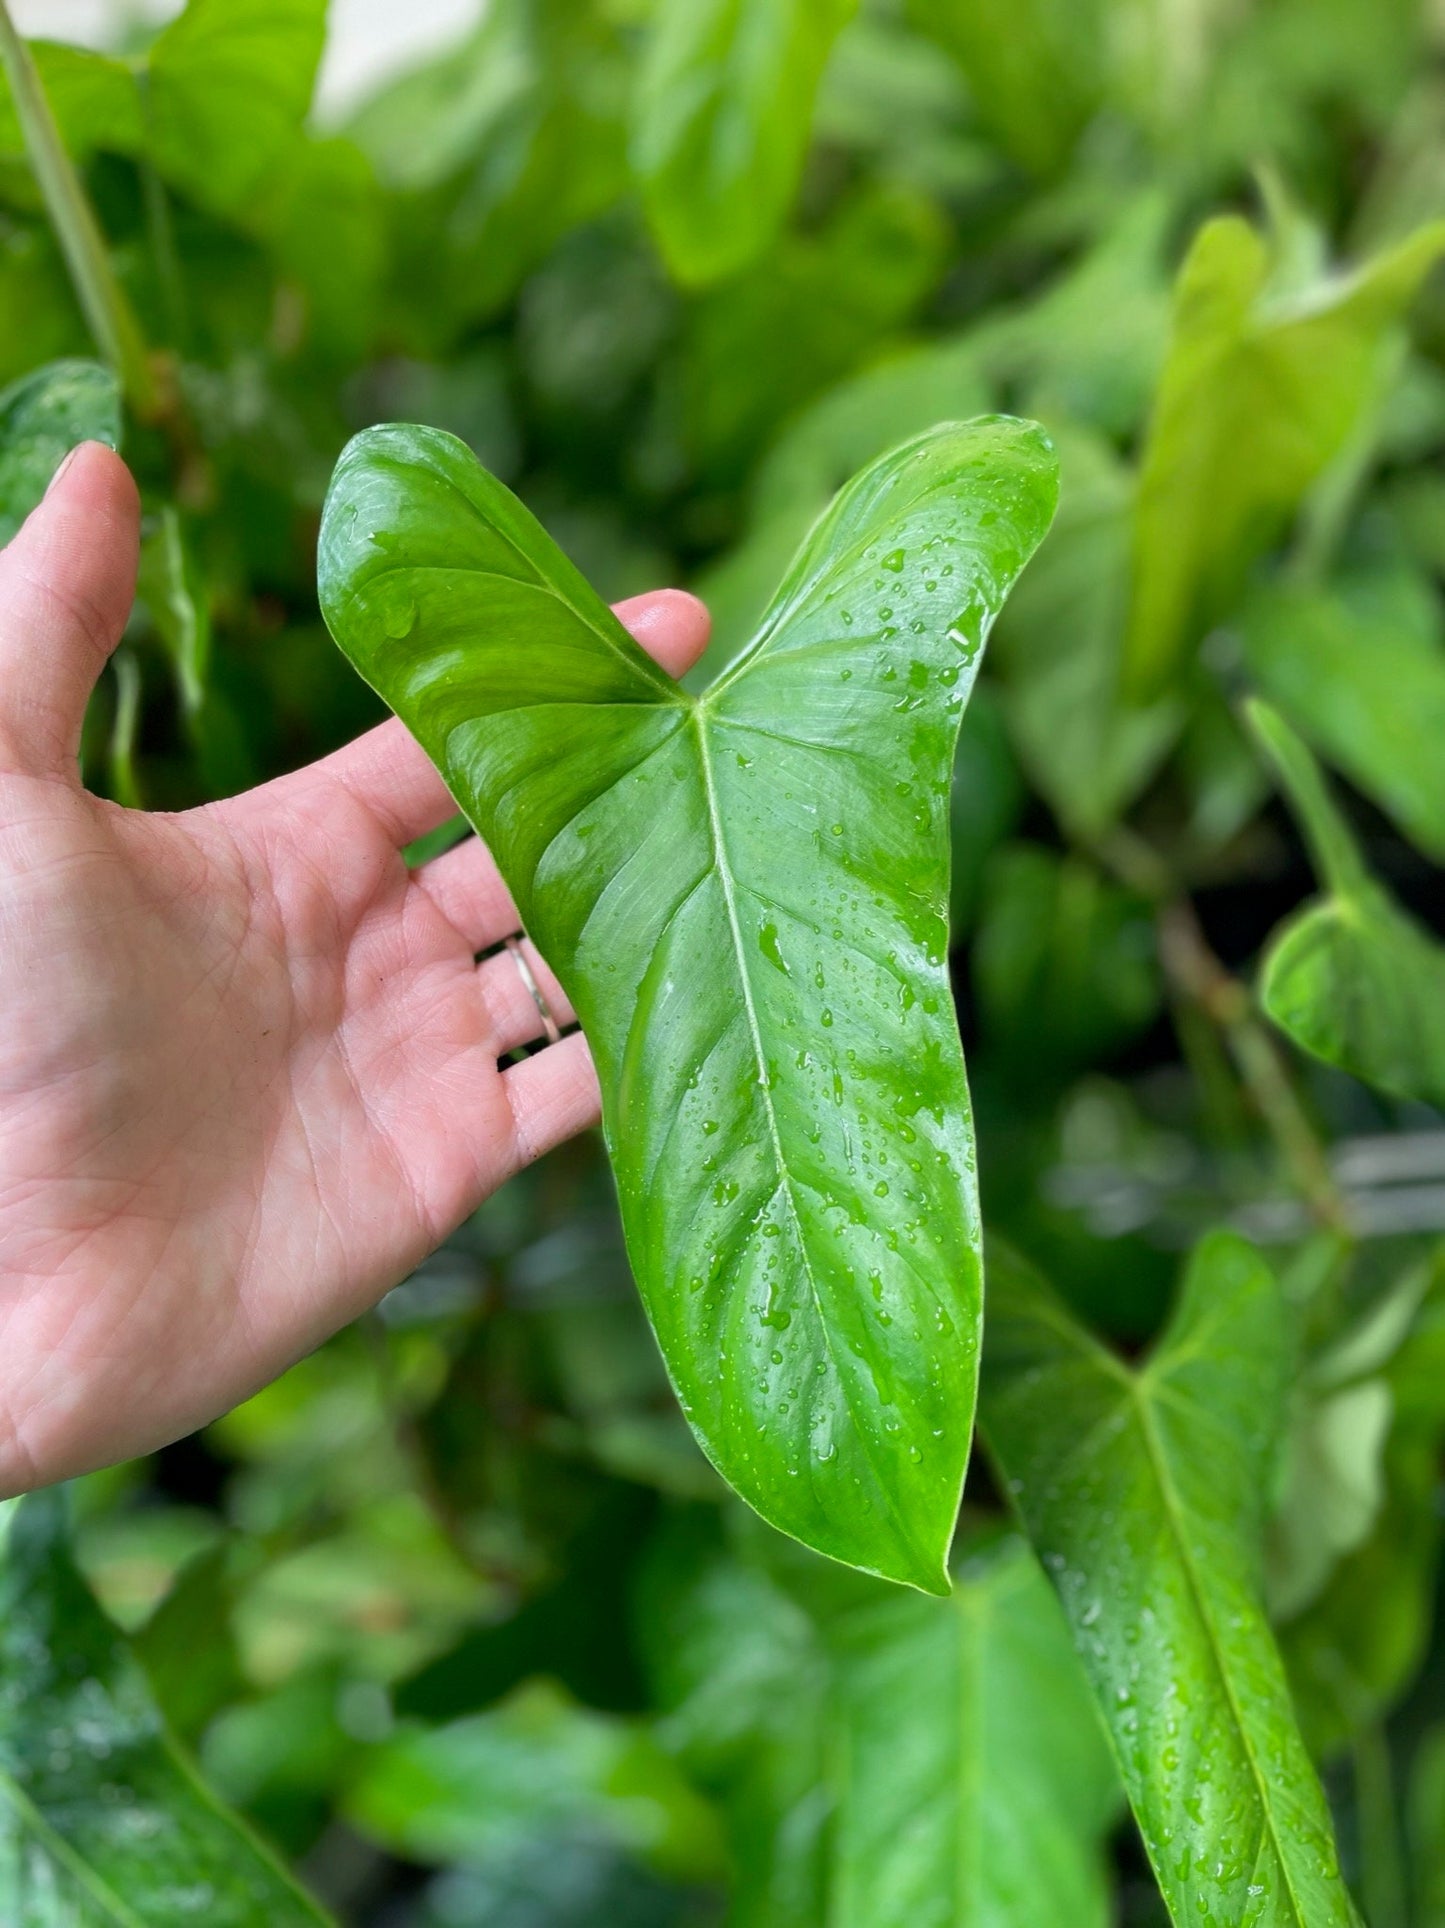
[745, 896]
[1352, 978]
[1142, 1490]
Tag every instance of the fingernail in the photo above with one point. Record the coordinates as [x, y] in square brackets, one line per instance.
[64, 466]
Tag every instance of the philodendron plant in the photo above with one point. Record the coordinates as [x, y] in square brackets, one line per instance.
[745, 896]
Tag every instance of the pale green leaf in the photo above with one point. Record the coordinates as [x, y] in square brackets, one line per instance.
[1143, 1491]
[94, 99]
[745, 895]
[1261, 388]
[228, 87]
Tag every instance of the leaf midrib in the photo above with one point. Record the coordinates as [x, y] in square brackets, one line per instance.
[725, 878]
[1158, 1463]
[61, 1851]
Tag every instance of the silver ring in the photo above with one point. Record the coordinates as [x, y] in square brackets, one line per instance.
[550, 1029]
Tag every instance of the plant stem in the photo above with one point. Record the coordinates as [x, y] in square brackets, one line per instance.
[107, 311]
[1202, 981]
[1193, 968]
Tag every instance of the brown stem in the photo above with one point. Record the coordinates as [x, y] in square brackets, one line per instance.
[1192, 967]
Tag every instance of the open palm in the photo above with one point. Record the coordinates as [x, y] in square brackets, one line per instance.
[248, 1065]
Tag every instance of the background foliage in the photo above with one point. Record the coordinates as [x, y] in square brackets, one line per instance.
[455, 1615]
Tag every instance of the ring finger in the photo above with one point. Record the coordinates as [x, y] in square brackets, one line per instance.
[521, 996]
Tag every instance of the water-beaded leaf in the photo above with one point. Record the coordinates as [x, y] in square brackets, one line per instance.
[103, 1822]
[1143, 1492]
[1352, 979]
[42, 417]
[745, 895]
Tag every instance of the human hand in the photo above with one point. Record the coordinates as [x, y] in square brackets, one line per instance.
[248, 1065]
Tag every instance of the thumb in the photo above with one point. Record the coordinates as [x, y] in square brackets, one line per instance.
[66, 586]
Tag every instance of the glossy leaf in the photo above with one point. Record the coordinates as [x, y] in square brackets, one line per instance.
[724, 112]
[887, 1761]
[745, 895]
[1143, 1491]
[859, 420]
[1366, 690]
[102, 1819]
[1260, 390]
[42, 417]
[1352, 979]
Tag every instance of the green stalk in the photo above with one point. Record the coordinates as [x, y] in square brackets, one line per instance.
[108, 313]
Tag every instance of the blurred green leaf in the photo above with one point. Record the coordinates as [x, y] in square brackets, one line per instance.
[186, 1646]
[1261, 388]
[1143, 1493]
[763, 345]
[723, 114]
[94, 98]
[892, 99]
[985, 805]
[902, 394]
[1427, 1829]
[227, 86]
[503, 146]
[884, 1759]
[42, 418]
[1064, 962]
[1057, 651]
[1352, 979]
[535, 1767]
[970, 1723]
[1355, 1649]
[1034, 69]
[101, 1816]
[1367, 692]
[1334, 1489]
[1334, 1484]
[842, 1412]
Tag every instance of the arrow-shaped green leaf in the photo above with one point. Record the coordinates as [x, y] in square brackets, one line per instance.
[885, 1761]
[1143, 1492]
[745, 895]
